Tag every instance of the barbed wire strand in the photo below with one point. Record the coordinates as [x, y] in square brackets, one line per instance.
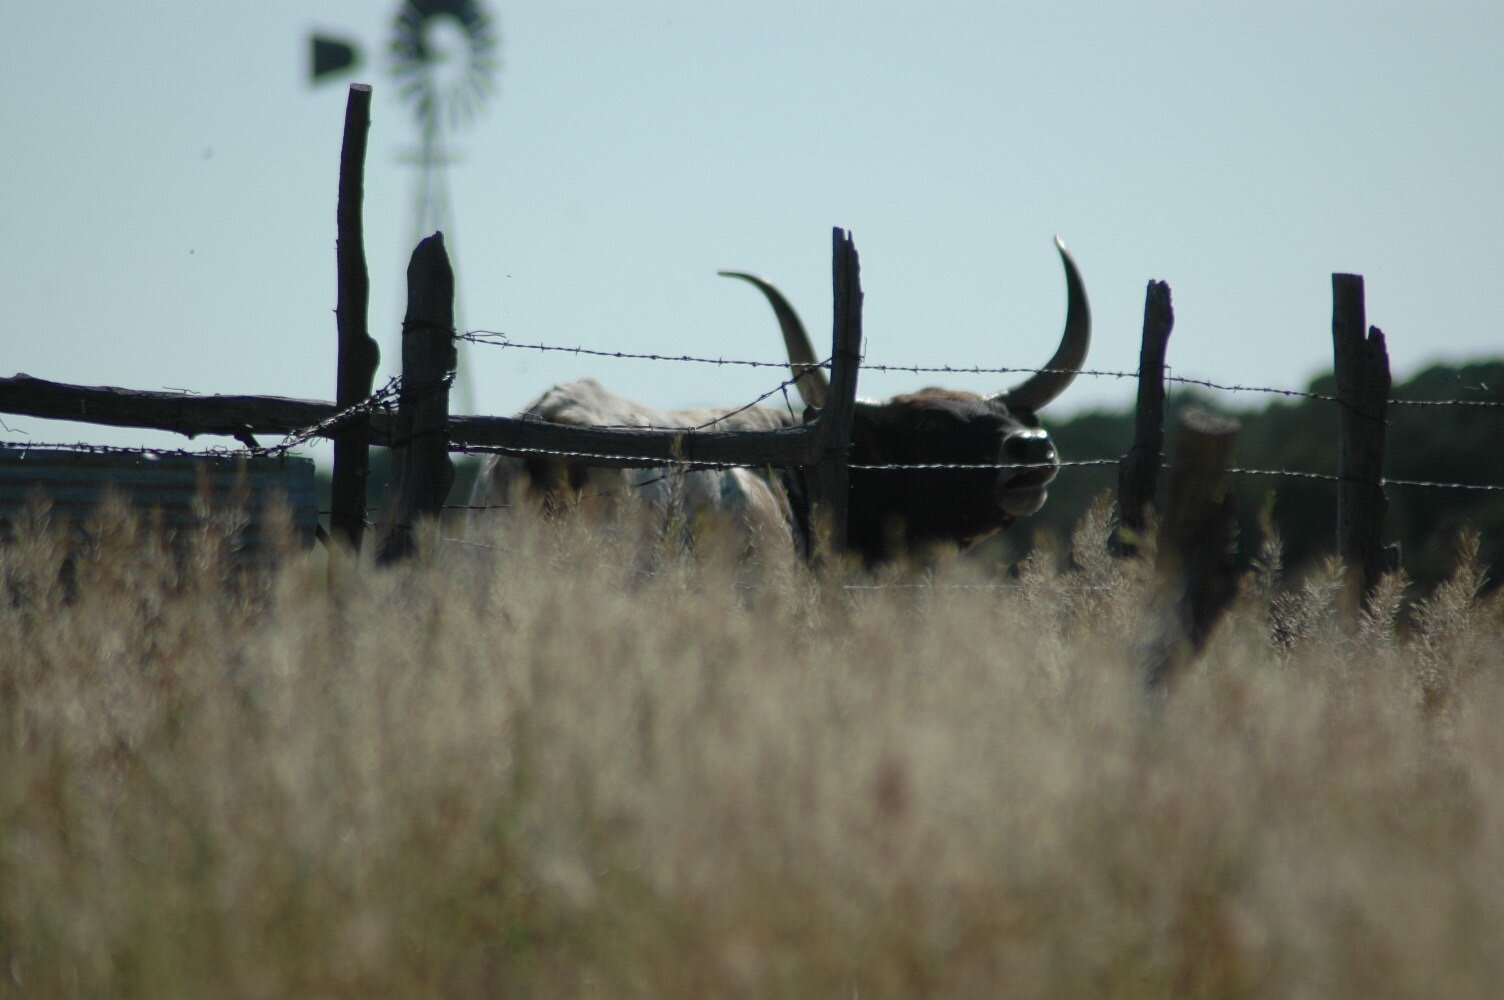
[383, 397]
[693, 465]
[652, 462]
[687, 464]
[379, 399]
[496, 338]
[488, 338]
[781, 387]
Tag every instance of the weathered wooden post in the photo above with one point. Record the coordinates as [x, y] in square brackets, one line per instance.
[1138, 473]
[1194, 558]
[358, 353]
[421, 443]
[829, 479]
[1361, 361]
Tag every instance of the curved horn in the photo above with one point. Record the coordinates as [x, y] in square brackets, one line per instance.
[809, 378]
[1041, 388]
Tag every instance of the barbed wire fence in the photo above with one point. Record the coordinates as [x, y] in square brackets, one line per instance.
[385, 400]
[382, 407]
[495, 338]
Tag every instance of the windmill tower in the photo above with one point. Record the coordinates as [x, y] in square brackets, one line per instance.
[442, 56]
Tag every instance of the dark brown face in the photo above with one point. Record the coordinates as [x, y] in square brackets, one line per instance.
[896, 510]
[909, 508]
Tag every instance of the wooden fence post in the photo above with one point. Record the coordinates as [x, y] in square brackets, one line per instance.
[830, 478]
[1194, 558]
[1361, 362]
[421, 443]
[358, 353]
[1138, 473]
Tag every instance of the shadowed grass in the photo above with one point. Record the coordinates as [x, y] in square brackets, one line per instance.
[557, 768]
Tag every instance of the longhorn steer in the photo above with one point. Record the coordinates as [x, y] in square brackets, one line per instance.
[893, 509]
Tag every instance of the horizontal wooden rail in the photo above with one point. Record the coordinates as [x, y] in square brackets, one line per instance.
[179, 412]
[233, 415]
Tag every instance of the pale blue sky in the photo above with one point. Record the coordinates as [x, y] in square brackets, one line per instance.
[167, 215]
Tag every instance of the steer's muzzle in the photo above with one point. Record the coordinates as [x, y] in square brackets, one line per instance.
[1030, 466]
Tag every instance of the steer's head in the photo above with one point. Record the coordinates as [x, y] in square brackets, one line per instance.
[995, 462]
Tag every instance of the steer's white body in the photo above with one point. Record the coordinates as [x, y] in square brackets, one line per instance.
[752, 502]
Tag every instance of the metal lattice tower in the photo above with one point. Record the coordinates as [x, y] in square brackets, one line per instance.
[446, 88]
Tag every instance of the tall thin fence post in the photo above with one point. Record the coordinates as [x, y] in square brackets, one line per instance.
[1193, 561]
[358, 353]
[1361, 361]
[421, 443]
[830, 481]
[1138, 473]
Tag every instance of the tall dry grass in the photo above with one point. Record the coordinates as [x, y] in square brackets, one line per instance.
[544, 772]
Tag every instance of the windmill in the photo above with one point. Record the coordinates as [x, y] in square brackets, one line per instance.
[442, 56]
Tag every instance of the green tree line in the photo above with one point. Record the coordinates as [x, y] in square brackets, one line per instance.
[1449, 444]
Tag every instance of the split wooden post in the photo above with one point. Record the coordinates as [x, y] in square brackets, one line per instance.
[358, 353]
[829, 482]
[1361, 362]
[1194, 558]
[421, 443]
[1138, 473]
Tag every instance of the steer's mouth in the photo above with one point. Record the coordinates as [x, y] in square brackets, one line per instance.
[1023, 492]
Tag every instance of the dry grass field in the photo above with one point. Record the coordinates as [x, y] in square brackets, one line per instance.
[542, 771]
